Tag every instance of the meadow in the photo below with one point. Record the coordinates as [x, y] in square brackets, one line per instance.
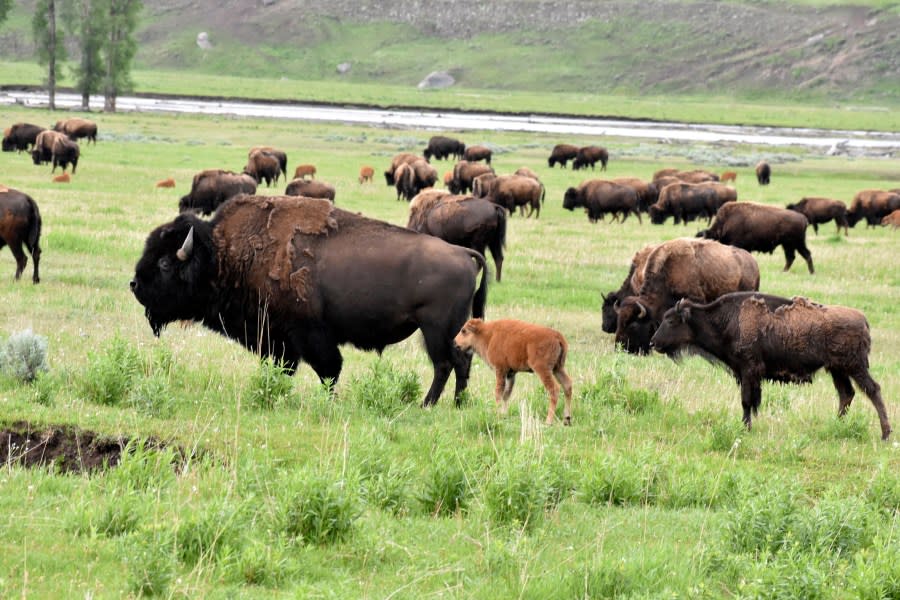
[266, 487]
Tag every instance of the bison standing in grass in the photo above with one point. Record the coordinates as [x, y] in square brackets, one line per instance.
[212, 187]
[758, 336]
[441, 147]
[20, 137]
[600, 198]
[588, 156]
[77, 128]
[562, 154]
[763, 173]
[872, 205]
[822, 210]
[509, 347]
[20, 223]
[295, 278]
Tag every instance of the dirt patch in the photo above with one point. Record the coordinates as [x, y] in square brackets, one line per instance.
[65, 448]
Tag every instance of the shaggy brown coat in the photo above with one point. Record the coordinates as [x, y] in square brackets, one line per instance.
[464, 173]
[20, 224]
[509, 347]
[280, 155]
[633, 282]
[588, 156]
[872, 205]
[366, 173]
[310, 189]
[399, 159]
[212, 187]
[20, 136]
[510, 191]
[763, 173]
[821, 210]
[261, 166]
[476, 153]
[77, 128]
[42, 152]
[562, 153]
[600, 197]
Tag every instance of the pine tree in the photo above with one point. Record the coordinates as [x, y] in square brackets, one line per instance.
[119, 49]
[49, 43]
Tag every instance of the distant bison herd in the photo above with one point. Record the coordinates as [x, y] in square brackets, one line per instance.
[294, 277]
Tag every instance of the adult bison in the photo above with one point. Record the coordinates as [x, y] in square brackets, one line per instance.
[647, 192]
[684, 202]
[263, 166]
[20, 137]
[588, 156]
[65, 152]
[20, 223]
[761, 228]
[633, 282]
[872, 205]
[758, 336]
[511, 191]
[295, 278]
[399, 159]
[763, 173]
[212, 187]
[600, 197]
[821, 210]
[77, 128]
[701, 270]
[441, 147]
[476, 153]
[462, 220]
[562, 154]
[42, 151]
[310, 189]
[464, 173]
[280, 156]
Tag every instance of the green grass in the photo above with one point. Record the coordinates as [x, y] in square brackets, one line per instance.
[294, 493]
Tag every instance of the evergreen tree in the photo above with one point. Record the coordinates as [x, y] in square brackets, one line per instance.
[87, 21]
[119, 49]
[49, 43]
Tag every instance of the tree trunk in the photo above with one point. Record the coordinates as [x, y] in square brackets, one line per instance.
[51, 71]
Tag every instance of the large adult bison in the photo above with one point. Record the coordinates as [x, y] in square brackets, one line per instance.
[761, 228]
[20, 223]
[647, 192]
[821, 210]
[464, 173]
[396, 161]
[701, 270]
[763, 173]
[42, 152]
[462, 220]
[476, 153]
[295, 278]
[758, 336]
[77, 128]
[511, 191]
[65, 152]
[279, 155]
[212, 187]
[588, 156]
[310, 189]
[600, 197]
[263, 166]
[633, 282]
[562, 154]
[873, 206]
[20, 137]
[441, 147]
[684, 202]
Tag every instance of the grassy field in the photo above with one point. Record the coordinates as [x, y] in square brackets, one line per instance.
[655, 491]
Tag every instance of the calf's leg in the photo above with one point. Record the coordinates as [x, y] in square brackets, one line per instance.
[552, 389]
[563, 378]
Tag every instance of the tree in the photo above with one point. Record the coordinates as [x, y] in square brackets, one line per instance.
[5, 5]
[87, 20]
[49, 43]
[119, 49]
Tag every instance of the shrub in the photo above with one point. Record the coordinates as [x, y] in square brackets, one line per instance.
[142, 467]
[318, 509]
[111, 373]
[836, 525]
[884, 491]
[726, 435]
[151, 396]
[384, 481]
[875, 572]
[270, 386]
[614, 391]
[24, 356]
[385, 391]
[761, 519]
[620, 481]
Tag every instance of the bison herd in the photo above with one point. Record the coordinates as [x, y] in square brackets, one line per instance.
[294, 277]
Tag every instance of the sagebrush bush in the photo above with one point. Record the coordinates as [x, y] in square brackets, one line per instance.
[24, 356]
[111, 372]
[270, 386]
[385, 391]
[318, 508]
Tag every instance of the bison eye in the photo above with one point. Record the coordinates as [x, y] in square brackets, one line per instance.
[165, 264]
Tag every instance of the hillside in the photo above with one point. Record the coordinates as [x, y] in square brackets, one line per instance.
[661, 46]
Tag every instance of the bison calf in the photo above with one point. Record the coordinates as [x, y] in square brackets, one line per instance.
[166, 183]
[510, 347]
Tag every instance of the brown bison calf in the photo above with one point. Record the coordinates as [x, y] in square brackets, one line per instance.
[510, 347]
[166, 183]
[728, 176]
[892, 219]
[303, 170]
[64, 178]
[366, 173]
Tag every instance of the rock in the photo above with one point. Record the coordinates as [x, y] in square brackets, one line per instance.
[344, 68]
[436, 80]
[203, 41]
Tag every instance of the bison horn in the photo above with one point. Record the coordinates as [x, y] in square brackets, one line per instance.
[187, 248]
[643, 310]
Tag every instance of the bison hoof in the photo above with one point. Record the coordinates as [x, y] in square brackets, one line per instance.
[567, 421]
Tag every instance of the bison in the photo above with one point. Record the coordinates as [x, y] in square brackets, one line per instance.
[728, 176]
[310, 189]
[279, 155]
[471, 222]
[588, 156]
[366, 174]
[763, 172]
[301, 171]
[684, 202]
[761, 228]
[464, 173]
[293, 279]
[633, 282]
[821, 210]
[20, 223]
[872, 205]
[212, 187]
[700, 270]
[399, 159]
[527, 173]
[20, 136]
[892, 219]
[263, 166]
[509, 347]
[42, 151]
[63, 178]
[562, 153]
[476, 153]
[441, 147]
[599, 198]
[759, 336]
[77, 128]
[647, 192]
[168, 182]
[65, 152]
[510, 191]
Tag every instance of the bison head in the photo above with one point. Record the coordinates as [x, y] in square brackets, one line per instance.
[570, 200]
[674, 334]
[608, 311]
[175, 277]
[657, 215]
[635, 325]
[36, 156]
[8, 144]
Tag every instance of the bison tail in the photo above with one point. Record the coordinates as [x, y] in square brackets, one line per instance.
[501, 226]
[479, 301]
[543, 193]
[34, 229]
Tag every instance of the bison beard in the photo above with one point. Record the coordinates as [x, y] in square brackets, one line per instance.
[295, 278]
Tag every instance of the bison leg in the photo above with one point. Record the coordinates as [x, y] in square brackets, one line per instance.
[566, 382]
[789, 256]
[440, 348]
[751, 396]
[804, 252]
[552, 389]
[36, 259]
[871, 388]
[21, 259]
[319, 350]
[462, 363]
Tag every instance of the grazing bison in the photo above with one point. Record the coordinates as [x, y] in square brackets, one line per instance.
[366, 173]
[77, 128]
[667, 172]
[872, 205]
[295, 278]
[647, 193]
[262, 166]
[280, 156]
[303, 170]
[441, 147]
[588, 156]
[212, 187]
[20, 136]
[599, 198]
[470, 222]
[464, 173]
[405, 181]
[509, 347]
[562, 153]
[20, 223]
[65, 152]
[510, 191]
[481, 185]
[701, 270]
[42, 152]
[399, 159]
[822, 210]
[758, 336]
[310, 189]
[763, 172]
[633, 282]
[476, 153]
[892, 219]
[527, 173]
[761, 228]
